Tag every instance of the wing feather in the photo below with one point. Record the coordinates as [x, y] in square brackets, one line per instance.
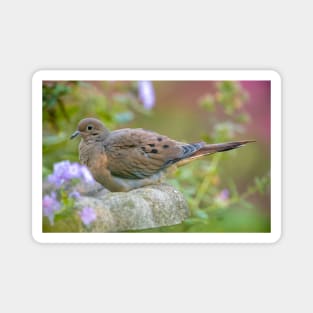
[138, 153]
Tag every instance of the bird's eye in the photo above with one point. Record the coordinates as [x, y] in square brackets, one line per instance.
[89, 127]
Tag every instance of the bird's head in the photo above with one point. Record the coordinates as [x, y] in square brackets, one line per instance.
[90, 129]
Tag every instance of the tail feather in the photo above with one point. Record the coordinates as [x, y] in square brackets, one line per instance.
[213, 148]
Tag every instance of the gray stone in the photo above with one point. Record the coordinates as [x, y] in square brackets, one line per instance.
[143, 208]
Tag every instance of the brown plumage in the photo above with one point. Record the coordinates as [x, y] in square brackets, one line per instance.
[125, 159]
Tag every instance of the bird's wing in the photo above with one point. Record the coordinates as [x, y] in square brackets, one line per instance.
[138, 153]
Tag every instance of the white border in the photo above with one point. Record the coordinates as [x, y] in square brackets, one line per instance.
[276, 209]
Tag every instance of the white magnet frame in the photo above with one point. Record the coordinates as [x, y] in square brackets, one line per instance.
[176, 75]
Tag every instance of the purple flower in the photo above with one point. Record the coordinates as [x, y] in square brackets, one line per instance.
[60, 173]
[87, 215]
[65, 171]
[86, 175]
[60, 169]
[74, 194]
[223, 195]
[55, 179]
[74, 171]
[50, 204]
[146, 93]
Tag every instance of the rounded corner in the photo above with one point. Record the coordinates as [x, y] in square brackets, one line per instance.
[36, 238]
[277, 237]
[276, 75]
[37, 75]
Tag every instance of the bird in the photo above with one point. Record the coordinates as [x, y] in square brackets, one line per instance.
[130, 158]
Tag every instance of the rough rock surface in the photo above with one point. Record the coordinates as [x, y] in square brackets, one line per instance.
[143, 208]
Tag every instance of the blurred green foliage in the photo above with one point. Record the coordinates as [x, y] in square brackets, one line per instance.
[216, 205]
[65, 103]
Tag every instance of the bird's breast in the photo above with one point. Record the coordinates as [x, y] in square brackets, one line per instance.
[92, 155]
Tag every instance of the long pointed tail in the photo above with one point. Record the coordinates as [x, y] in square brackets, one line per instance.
[213, 148]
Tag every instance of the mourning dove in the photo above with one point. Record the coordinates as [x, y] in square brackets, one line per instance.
[126, 159]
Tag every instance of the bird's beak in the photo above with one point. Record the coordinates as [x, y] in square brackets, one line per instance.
[75, 134]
